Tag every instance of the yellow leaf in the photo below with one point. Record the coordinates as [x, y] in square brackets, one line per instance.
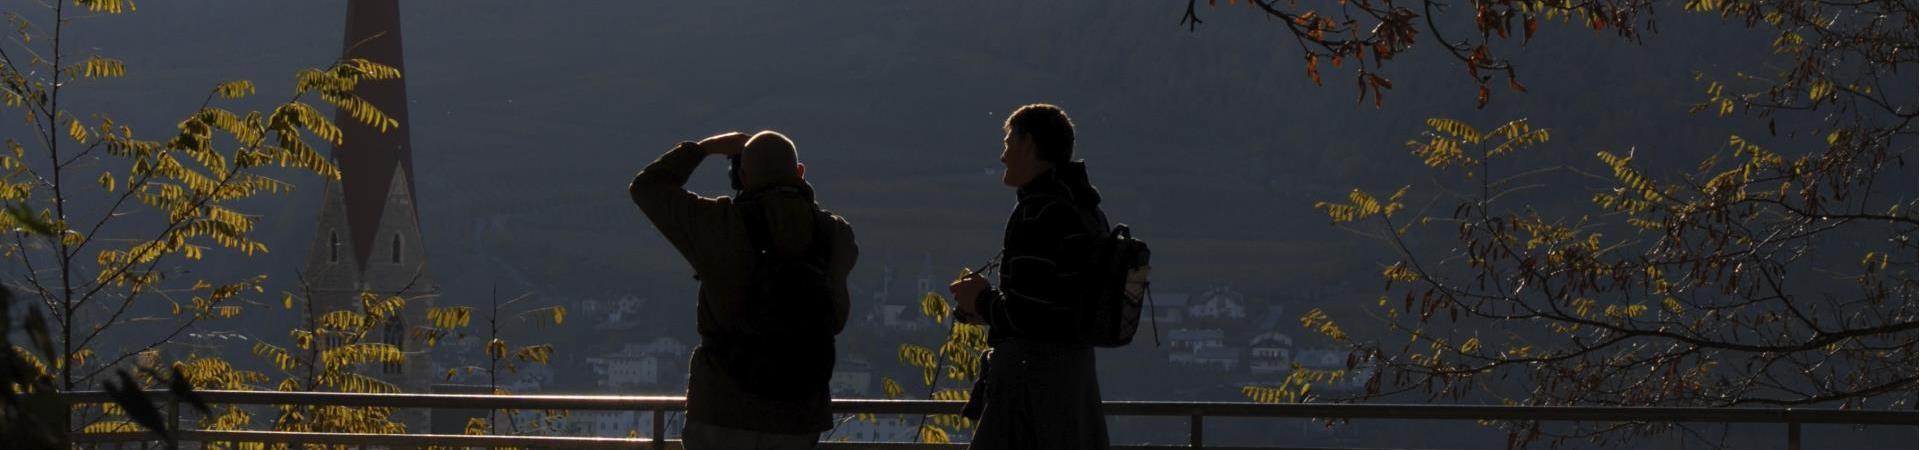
[1819, 90]
[891, 388]
[934, 307]
[1393, 202]
[497, 348]
[98, 67]
[235, 89]
[1399, 271]
[1675, 306]
[77, 131]
[106, 6]
[1365, 203]
[1455, 128]
[934, 435]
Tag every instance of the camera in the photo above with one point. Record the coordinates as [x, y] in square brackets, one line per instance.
[733, 172]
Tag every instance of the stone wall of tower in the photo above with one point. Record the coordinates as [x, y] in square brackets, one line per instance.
[332, 274]
[407, 277]
[335, 277]
[390, 268]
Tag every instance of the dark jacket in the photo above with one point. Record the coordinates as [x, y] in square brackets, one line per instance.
[710, 234]
[1047, 245]
[1041, 387]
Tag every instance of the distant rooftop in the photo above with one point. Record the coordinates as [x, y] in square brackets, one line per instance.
[1190, 334]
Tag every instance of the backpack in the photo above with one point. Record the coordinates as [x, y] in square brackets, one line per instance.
[786, 352]
[1115, 284]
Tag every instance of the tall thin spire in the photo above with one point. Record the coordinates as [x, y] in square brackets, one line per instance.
[368, 157]
[368, 239]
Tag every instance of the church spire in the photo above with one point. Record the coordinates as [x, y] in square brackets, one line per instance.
[368, 157]
[368, 238]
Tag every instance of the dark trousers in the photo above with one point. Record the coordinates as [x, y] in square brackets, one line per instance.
[1041, 395]
[701, 436]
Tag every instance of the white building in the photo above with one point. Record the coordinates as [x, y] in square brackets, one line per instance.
[1193, 339]
[852, 377]
[1202, 347]
[1270, 353]
[1216, 358]
[614, 314]
[656, 365]
[898, 317]
[1218, 303]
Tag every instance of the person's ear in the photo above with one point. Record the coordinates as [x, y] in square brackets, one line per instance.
[800, 169]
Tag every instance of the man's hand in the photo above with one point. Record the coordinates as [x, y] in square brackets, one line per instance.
[966, 292]
[726, 144]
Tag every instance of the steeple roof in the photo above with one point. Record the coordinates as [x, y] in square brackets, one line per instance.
[367, 157]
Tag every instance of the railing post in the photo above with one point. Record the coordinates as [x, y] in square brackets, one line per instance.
[174, 421]
[659, 430]
[1194, 436]
[1793, 431]
[65, 422]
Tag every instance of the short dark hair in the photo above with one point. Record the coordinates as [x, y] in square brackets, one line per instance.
[1048, 125]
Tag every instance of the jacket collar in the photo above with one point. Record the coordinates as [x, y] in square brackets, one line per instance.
[1067, 180]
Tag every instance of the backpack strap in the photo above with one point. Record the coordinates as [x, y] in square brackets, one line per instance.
[759, 239]
[760, 235]
[822, 245]
[1088, 218]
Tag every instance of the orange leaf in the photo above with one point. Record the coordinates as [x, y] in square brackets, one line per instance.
[1313, 68]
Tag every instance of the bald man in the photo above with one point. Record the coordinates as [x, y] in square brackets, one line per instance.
[772, 267]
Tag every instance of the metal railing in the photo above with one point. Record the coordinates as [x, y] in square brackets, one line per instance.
[1195, 412]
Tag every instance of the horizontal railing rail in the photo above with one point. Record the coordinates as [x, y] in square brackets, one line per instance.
[1195, 412]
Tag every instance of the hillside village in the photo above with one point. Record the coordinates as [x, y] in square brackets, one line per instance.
[1222, 336]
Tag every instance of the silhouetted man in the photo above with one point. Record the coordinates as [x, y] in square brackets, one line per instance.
[1040, 389]
[773, 272]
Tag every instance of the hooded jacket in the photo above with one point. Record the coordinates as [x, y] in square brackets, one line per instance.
[710, 233]
[1048, 241]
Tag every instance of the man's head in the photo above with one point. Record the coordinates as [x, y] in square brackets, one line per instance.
[1039, 137]
[770, 159]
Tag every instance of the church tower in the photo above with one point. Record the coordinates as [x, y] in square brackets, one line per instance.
[368, 238]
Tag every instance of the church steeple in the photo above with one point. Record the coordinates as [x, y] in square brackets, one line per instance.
[368, 238]
[369, 157]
